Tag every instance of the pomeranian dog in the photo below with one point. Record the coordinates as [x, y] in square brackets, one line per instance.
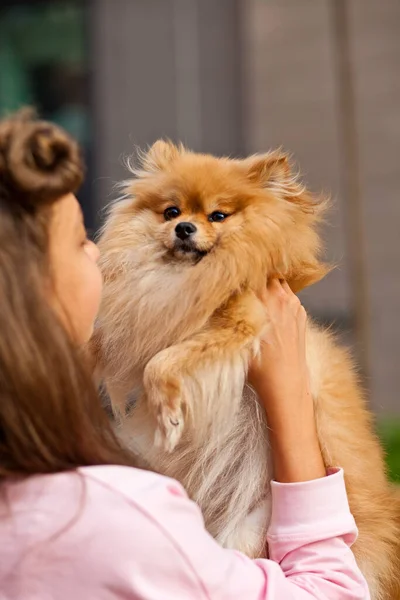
[184, 255]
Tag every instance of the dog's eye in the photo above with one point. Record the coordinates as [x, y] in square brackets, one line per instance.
[217, 217]
[171, 213]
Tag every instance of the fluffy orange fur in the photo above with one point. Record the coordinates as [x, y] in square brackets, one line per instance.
[180, 320]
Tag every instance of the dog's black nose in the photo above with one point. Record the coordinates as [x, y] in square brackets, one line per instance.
[185, 230]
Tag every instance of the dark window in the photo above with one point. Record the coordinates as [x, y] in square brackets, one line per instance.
[44, 63]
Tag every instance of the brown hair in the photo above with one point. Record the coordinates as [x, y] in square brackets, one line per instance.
[51, 418]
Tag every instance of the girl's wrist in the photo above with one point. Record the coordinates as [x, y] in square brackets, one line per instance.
[297, 460]
[282, 401]
[293, 437]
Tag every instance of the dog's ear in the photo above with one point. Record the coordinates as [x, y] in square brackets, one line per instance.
[273, 171]
[307, 275]
[268, 169]
[161, 154]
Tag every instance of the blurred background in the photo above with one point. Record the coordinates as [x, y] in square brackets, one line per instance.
[318, 77]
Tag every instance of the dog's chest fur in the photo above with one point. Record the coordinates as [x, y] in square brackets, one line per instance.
[227, 468]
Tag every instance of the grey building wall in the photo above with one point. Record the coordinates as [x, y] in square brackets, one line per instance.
[376, 51]
[165, 68]
[292, 84]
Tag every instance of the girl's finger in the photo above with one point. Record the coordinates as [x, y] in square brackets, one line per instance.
[274, 286]
[286, 287]
[293, 299]
[272, 294]
[302, 314]
[302, 323]
[292, 296]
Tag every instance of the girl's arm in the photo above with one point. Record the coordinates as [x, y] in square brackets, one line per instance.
[150, 542]
[280, 377]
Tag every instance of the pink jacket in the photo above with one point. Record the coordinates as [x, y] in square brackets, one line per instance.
[110, 532]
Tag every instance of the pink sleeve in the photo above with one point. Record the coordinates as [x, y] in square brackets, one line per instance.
[309, 538]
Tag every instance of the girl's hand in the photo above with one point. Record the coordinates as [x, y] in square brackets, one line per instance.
[279, 375]
[280, 372]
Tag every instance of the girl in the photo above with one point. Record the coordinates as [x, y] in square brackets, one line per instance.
[77, 519]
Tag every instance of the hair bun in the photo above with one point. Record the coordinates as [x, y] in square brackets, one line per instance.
[40, 161]
[48, 149]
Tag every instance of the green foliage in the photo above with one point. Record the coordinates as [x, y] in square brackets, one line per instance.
[389, 432]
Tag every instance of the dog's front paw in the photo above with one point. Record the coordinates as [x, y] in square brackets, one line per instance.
[165, 401]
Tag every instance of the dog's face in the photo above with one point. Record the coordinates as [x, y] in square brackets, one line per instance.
[193, 223]
[195, 206]
[192, 206]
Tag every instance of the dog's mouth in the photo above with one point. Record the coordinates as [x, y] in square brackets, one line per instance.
[188, 250]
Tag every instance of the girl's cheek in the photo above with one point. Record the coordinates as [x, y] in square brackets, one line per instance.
[92, 251]
[90, 303]
[99, 287]
[96, 278]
